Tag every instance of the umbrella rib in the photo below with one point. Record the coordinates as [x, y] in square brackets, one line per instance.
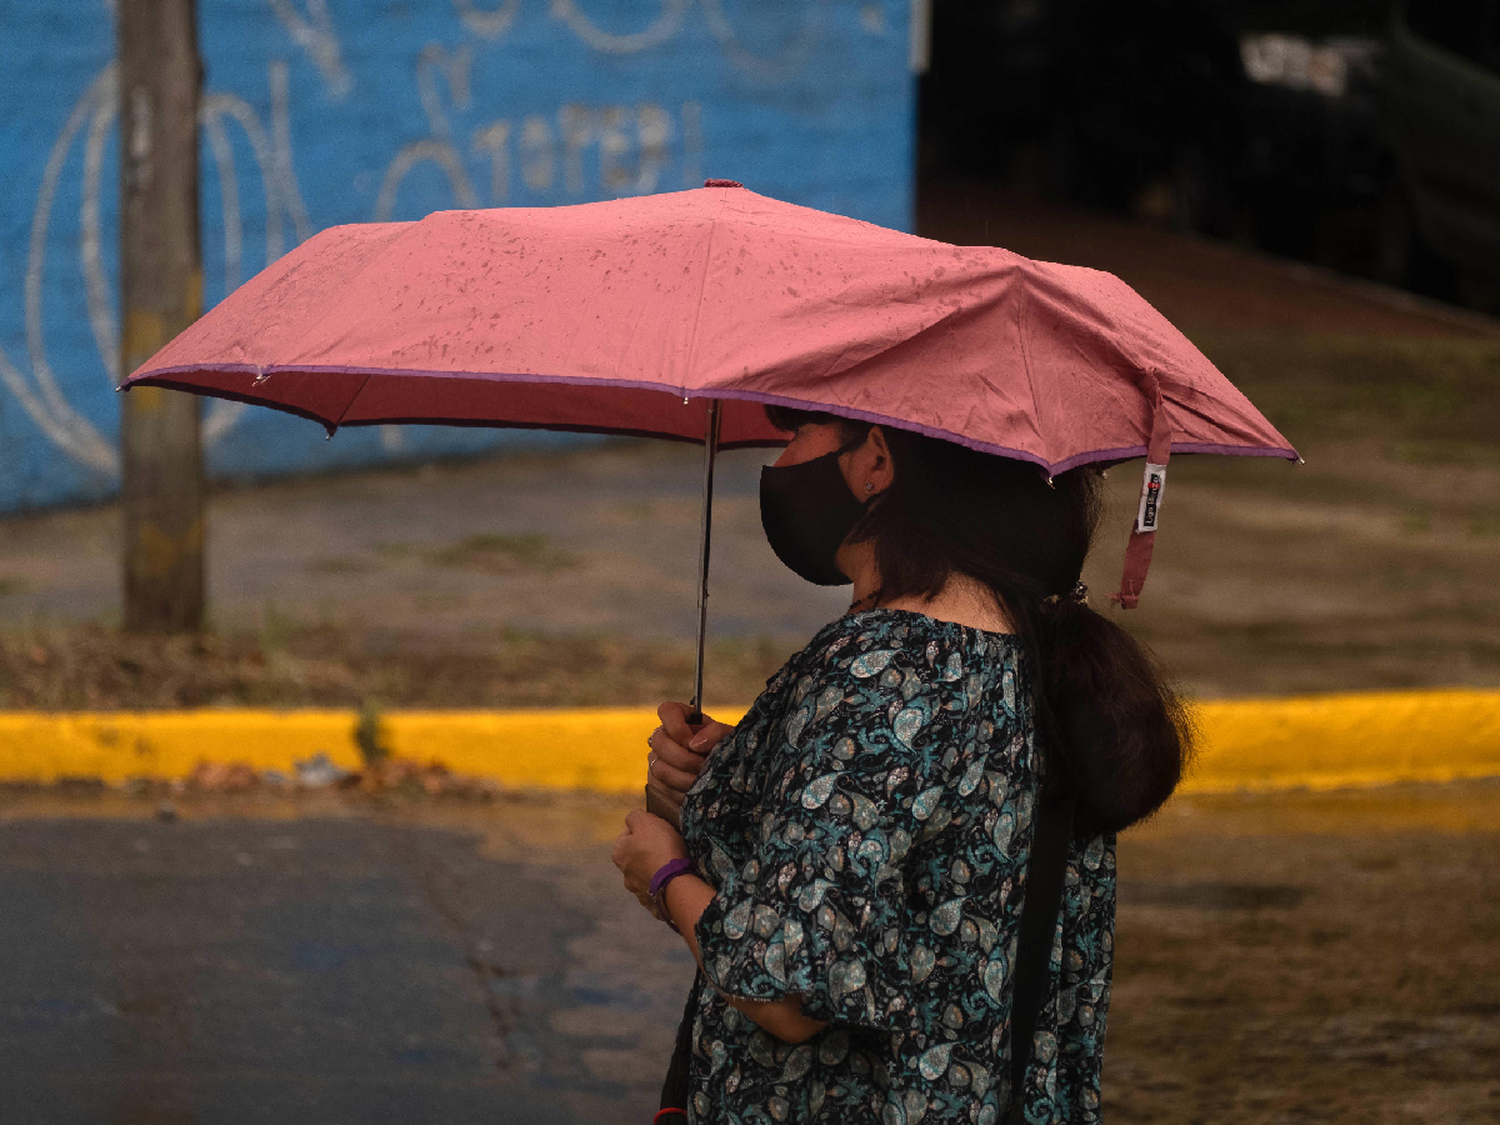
[365, 267]
[708, 257]
[331, 306]
[344, 413]
[1023, 308]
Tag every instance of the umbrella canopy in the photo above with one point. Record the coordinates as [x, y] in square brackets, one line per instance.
[631, 316]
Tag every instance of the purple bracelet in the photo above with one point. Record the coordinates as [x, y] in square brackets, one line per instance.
[664, 875]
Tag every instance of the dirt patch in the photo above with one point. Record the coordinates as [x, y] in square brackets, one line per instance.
[1310, 958]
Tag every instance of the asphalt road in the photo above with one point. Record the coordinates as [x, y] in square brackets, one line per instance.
[326, 969]
[1280, 959]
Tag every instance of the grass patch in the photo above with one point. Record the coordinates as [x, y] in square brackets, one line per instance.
[504, 554]
[371, 736]
[1439, 451]
[338, 564]
[1415, 523]
[1430, 396]
[328, 665]
[439, 601]
[638, 511]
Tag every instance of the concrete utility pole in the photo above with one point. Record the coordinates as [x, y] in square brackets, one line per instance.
[161, 293]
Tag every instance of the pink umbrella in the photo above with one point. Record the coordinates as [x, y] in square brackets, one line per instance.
[679, 315]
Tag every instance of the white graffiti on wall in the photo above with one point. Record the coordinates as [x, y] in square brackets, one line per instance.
[630, 145]
[40, 395]
[633, 145]
[617, 129]
[44, 401]
[488, 23]
[794, 50]
[314, 33]
[663, 28]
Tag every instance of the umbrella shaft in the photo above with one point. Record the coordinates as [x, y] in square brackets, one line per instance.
[710, 451]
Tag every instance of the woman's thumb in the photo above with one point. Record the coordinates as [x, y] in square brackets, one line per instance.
[706, 738]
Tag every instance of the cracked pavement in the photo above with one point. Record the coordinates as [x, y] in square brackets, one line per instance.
[364, 966]
[331, 958]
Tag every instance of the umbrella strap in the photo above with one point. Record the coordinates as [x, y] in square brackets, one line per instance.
[1143, 534]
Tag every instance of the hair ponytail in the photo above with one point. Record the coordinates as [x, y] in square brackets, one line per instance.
[1123, 735]
[1106, 714]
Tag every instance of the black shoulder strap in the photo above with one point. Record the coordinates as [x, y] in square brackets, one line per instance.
[1045, 874]
[675, 1091]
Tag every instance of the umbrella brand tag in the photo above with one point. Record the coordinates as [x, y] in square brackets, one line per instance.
[1151, 488]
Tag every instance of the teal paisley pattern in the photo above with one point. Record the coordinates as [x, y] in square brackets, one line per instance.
[867, 829]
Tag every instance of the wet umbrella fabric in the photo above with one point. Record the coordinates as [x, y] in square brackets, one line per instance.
[633, 316]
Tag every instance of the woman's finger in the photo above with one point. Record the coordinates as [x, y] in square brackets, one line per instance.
[669, 775]
[673, 718]
[676, 755]
[709, 737]
[636, 819]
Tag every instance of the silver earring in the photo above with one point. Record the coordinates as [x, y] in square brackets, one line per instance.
[869, 487]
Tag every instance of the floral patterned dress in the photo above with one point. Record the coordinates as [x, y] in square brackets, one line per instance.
[867, 829]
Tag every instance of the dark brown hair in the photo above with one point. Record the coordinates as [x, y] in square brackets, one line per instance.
[1121, 733]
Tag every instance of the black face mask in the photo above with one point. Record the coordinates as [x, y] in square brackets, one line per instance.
[806, 511]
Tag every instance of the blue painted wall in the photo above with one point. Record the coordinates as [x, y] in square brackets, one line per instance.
[318, 112]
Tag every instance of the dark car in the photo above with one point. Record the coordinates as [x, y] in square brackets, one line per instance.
[1244, 119]
[1440, 108]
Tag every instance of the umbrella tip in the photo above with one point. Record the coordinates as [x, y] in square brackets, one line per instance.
[722, 183]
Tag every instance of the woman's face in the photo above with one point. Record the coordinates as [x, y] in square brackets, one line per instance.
[812, 439]
[867, 468]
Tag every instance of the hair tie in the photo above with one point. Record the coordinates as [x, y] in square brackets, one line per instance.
[1078, 595]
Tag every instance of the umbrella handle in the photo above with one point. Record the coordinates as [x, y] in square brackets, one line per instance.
[710, 452]
[658, 807]
[695, 719]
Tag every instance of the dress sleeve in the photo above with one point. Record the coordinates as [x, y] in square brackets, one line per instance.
[830, 904]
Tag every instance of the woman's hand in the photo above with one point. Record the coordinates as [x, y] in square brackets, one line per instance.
[677, 752]
[647, 843]
[640, 851]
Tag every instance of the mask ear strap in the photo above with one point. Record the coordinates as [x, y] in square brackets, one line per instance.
[850, 446]
[1143, 534]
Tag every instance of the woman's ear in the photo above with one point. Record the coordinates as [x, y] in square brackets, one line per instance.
[878, 470]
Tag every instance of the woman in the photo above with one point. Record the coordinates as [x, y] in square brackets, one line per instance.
[851, 868]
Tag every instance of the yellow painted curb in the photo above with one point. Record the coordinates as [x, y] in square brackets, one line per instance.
[1336, 741]
[116, 745]
[1321, 742]
[602, 748]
